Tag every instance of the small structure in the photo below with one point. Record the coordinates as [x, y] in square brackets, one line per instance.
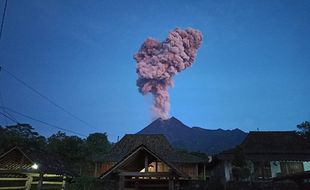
[302, 179]
[148, 161]
[19, 170]
[268, 155]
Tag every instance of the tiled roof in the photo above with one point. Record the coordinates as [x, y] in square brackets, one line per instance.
[144, 148]
[272, 145]
[155, 142]
[17, 159]
[275, 142]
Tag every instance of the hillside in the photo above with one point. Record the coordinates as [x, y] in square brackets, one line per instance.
[195, 138]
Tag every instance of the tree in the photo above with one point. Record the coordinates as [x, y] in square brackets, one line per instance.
[23, 136]
[200, 155]
[74, 152]
[70, 149]
[97, 143]
[304, 129]
[240, 168]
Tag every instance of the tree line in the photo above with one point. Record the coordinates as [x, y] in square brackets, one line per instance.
[77, 154]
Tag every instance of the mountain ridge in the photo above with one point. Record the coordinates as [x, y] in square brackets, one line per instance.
[210, 141]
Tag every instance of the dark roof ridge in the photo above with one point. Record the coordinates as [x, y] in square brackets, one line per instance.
[142, 146]
[144, 134]
[156, 142]
[272, 131]
[17, 148]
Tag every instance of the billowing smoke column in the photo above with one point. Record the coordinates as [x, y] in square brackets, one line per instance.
[158, 62]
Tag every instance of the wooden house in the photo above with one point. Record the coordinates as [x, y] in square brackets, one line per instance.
[268, 155]
[19, 170]
[148, 161]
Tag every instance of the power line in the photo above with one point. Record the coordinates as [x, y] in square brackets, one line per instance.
[47, 98]
[8, 113]
[3, 109]
[3, 16]
[8, 117]
[44, 122]
[2, 104]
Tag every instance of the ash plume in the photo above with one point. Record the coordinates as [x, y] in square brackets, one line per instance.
[158, 62]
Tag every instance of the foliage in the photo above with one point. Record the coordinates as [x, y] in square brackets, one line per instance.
[97, 143]
[304, 129]
[83, 183]
[239, 157]
[76, 153]
[240, 168]
[69, 149]
[200, 154]
[240, 173]
[21, 135]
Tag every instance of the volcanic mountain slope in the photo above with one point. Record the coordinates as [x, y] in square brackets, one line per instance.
[195, 138]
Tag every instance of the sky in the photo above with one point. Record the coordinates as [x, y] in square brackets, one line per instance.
[251, 72]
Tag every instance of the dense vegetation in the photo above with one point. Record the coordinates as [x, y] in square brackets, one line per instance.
[304, 129]
[76, 153]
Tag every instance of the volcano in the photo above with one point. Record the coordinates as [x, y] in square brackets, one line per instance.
[195, 138]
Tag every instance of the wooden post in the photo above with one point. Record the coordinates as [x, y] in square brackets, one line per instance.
[136, 182]
[197, 173]
[262, 166]
[28, 182]
[177, 183]
[146, 163]
[204, 171]
[63, 186]
[40, 182]
[121, 183]
[171, 184]
[95, 172]
[156, 166]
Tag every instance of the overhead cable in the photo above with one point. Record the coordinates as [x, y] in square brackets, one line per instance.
[8, 117]
[47, 98]
[44, 122]
[3, 16]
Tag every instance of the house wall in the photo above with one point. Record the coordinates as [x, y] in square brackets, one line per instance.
[280, 168]
[103, 167]
[189, 169]
[270, 169]
[290, 167]
[217, 173]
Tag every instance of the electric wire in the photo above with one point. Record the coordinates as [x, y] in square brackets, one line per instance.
[2, 103]
[47, 98]
[44, 122]
[3, 109]
[5, 113]
[3, 16]
[8, 117]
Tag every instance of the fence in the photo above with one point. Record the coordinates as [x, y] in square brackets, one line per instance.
[31, 181]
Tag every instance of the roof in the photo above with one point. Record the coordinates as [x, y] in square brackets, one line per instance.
[155, 142]
[135, 151]
[17, 159]
[273, 145]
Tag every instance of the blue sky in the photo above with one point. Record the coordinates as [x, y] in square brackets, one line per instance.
[252, 70]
